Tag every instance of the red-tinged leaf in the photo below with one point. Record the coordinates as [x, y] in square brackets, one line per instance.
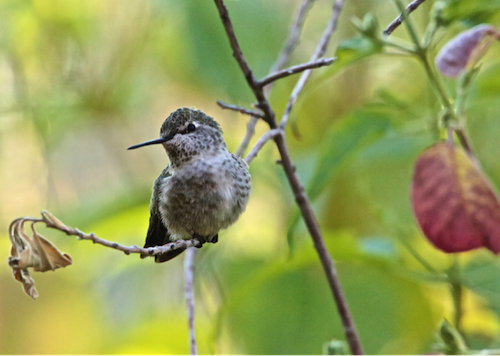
[453, 202]
[466, 48]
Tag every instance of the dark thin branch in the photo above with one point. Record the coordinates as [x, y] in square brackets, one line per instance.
[52, 222]
[318, 53]
[399, 20]
[239, 109]
[290, 45]
[263, 104]
[189, 292]
[295, 70]
[297, 188]
[269, 135]
[237, 53]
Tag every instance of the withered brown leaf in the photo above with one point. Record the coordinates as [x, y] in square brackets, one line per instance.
[32, 252]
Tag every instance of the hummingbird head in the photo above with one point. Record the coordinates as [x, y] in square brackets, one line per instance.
[188, 133]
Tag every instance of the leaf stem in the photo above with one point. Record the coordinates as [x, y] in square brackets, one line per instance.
[456, 290]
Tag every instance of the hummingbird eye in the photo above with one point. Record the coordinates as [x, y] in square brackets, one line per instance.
[191, 128]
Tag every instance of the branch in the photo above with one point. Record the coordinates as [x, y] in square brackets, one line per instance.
[399, 20]
[290, 45]
[189, 292]
[239, 109]
[237, 53]
[262, 141]
[248, 136]
[52, 222]
[294, 70]
[297, 188]
[318, 53]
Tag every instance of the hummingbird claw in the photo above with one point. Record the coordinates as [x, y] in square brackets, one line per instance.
[200, 238]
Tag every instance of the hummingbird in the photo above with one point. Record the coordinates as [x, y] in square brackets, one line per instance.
[203, 189]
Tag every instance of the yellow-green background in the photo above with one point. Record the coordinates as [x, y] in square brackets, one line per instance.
[81, 80]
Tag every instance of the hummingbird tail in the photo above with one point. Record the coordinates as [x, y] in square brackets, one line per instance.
[167, 256]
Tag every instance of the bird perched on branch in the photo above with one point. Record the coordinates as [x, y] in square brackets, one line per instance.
[203, 190]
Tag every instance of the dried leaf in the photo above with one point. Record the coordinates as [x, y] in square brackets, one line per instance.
[466, 48]
[32, 252]
[453, 202]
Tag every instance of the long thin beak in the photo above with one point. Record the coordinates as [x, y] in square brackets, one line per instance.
[152, 142]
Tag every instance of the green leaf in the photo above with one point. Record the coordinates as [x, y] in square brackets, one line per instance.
[344, 141]
[342, 144]
[354, 50]
[481, 276]
[471, 12]
[287, 307]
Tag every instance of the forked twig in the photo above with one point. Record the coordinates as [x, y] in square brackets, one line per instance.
[318, 53]
[286, 162]
[269, 135]
[290, 45]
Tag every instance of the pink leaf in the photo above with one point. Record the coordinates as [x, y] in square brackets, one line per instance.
[467, 47]
[453, 202]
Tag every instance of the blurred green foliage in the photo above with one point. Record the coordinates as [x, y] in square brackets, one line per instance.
[81, 80]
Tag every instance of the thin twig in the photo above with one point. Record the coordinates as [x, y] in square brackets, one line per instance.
[189, 292]
[269, 135]
[248, 136]
[297, 188]
[239, 109]
[52, 222]
[290, 45]
[295, 70]
[318, 53]
[293, 36]
[399, 20]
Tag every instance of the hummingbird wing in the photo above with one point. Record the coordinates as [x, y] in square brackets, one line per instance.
[158, 234]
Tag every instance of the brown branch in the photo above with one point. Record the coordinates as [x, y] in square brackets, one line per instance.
[52, 222]
[269, 135]
[297, 188]
[295, 70]
[290, 45]
[399, 20]
[318, 53]
[189, 292]
[239, 109]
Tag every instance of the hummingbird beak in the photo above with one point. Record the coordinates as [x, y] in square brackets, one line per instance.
[152, 142]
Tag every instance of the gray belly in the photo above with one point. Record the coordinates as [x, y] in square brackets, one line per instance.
[201, 204]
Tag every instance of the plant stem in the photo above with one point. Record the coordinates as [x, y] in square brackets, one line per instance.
[456, 290]
[189, 292]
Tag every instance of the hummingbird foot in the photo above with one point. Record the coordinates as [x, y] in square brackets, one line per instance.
[204, 239]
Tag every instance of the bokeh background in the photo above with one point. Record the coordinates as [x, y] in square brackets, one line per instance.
[81, 80]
